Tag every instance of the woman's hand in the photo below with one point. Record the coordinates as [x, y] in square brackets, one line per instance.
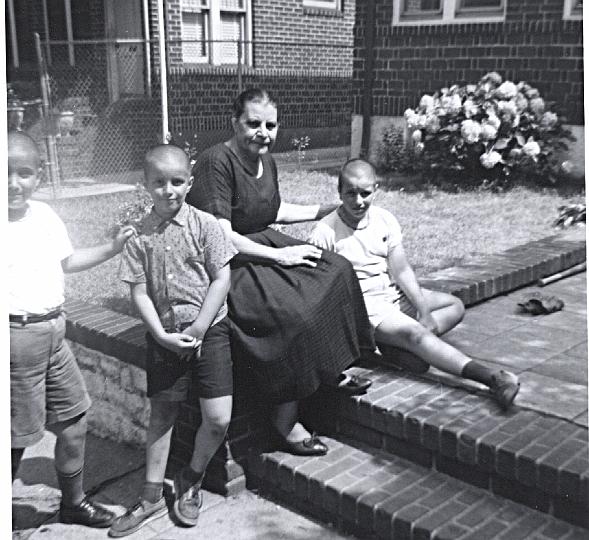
[121, 236]
[304, 254]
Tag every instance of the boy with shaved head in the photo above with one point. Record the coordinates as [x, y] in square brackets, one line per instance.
[46, 386]
[178, 270]
[404, 316]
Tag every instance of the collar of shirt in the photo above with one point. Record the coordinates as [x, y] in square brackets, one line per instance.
[153, 221]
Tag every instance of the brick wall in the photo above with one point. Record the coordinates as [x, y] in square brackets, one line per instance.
[533, 44]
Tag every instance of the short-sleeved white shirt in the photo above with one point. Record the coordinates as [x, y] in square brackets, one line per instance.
[366, 248]
[36, 244]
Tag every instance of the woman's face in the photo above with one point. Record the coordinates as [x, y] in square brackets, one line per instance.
[256, 129]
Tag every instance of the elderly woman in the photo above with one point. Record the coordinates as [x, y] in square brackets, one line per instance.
[298, 314]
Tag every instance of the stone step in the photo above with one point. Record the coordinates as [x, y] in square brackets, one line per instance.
[535, 459]
[374, 494]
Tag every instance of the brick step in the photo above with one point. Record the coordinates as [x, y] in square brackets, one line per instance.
[537, 460]
[374, 494]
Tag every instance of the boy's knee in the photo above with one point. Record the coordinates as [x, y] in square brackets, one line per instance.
[459, 308]
[217, 424]
[163, 413]
[414, 335]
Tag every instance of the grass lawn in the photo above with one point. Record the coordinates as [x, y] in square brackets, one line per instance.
[440, 229]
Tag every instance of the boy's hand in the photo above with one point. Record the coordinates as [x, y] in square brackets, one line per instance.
[198, 334]
[180, 343]
[429, 322]
[121, 237]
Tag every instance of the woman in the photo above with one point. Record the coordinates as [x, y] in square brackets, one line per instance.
[297, 312]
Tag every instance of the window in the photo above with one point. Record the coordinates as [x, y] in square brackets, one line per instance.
[332, 5]
[573, 10]
[447, 11]
[212, 30]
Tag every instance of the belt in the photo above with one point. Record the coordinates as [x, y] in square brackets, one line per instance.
[30, 318]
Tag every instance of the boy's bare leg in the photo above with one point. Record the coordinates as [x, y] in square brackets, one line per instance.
[159, 435]
[216, 415]
[446, 309]
[69, 458]
[402, 331]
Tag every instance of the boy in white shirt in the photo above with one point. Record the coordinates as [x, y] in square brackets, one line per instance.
[402, 314]
[46, 385]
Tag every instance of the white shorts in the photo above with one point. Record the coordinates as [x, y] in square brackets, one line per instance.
[385, 300]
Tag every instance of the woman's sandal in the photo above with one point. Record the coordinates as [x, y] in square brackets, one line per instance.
[353, 384]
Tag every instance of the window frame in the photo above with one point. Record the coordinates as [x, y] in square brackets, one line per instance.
[451, 12]
[213, 32]
[571, 12]
[336, 5]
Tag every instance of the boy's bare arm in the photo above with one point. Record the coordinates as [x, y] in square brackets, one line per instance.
[404, 276]
[178, 342]
[212, 303]
[84, 258]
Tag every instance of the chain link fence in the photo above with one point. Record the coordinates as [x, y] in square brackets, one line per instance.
[106, 108]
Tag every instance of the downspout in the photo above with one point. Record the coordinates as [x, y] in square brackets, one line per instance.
[13, 39]
[163, 68]
[369, 33]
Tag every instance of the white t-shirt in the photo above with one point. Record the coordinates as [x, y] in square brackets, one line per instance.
[37, 244]
[366, 248]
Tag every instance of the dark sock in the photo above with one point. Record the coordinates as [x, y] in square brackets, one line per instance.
[152, 491]
[478, 372]
[72, 491]
[193, 477]
[15, 457]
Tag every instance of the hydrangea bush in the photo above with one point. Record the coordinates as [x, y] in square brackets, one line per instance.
[491, 132]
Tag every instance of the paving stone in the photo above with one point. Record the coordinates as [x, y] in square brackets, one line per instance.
[551, 396]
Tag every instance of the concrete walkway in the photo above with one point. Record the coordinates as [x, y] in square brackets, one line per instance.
[549, 353]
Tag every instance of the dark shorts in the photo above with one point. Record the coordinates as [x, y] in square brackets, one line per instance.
[46, 385]
[169, 377]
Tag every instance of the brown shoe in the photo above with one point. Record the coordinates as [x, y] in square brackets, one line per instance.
[188, 500]
[86, 513]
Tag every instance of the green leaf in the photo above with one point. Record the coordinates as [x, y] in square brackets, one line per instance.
[501, 143]
[520, 139]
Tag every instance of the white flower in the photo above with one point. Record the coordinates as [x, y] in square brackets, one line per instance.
[549, 119]
[521, 102]
[507, 107]
[419, 147]
[531, 148]
[469, 107]
[507, 90]
[471, 88]
[490, 159]
[412, 118]
[432, 124]
[488, 132]
[454, 103]
[493, 77]
[426, 103]
[537, 105]
[416, 136]
[532, 93]
[470, 131]
[515, 153]
[493, 120]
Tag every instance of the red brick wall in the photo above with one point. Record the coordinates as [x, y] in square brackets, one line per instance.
[534, 44]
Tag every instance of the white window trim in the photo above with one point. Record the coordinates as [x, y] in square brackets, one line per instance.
[213, 32]
[450, 15]
[335, 5]
[569, 12]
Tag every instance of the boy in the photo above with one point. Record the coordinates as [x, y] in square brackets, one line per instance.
[177, 267]
[46, 385]
[402, 314]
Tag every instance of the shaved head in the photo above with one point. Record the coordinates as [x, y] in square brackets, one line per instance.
[19, 141]
[357, 167]
[166, 153]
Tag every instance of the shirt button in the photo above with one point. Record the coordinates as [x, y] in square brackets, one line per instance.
[170, 276]
[168, 248]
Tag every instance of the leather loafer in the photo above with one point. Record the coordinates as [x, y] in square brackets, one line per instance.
[312, 446]
[86, 513]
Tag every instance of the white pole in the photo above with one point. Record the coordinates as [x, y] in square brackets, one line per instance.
[13, 40]
[147, 50]
[70, 31]
[47, 36]
[163, 67]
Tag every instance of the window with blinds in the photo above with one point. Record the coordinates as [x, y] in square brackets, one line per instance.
[447, 11]
[195, 30]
